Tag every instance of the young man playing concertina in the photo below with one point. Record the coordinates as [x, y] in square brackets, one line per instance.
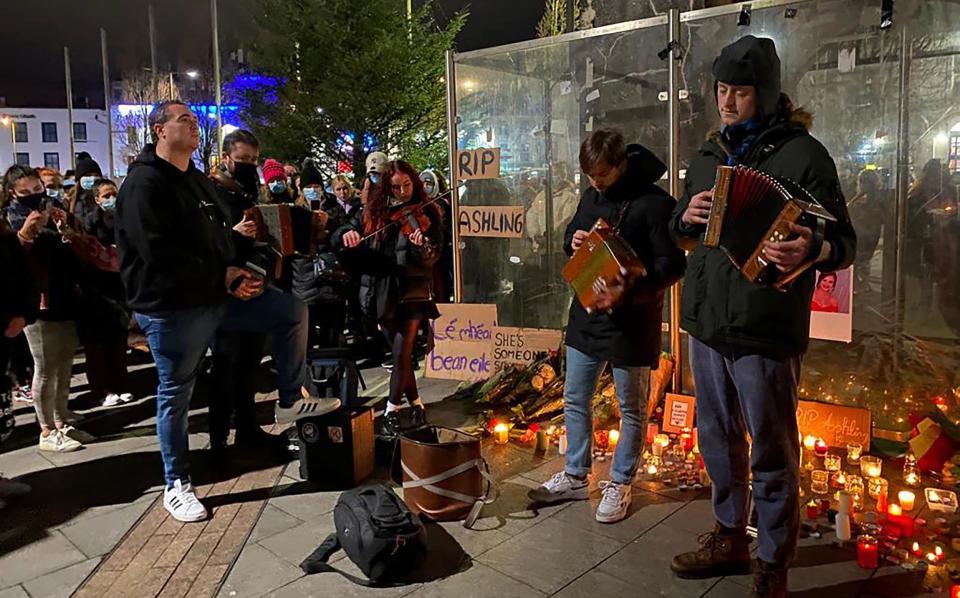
[624, 330]
[746, 340]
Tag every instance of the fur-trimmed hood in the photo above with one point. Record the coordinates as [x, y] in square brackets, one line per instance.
[787, 113]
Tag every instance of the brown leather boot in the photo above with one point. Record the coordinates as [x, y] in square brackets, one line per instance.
[769, 581]
[721, 553]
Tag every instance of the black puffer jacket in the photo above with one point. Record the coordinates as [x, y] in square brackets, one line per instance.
[324, 278]
[719, 306]
[630, 336]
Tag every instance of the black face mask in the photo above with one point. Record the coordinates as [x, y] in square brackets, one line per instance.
[33, 201]
[246, 175]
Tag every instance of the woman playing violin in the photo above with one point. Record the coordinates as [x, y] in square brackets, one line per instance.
[404, 235]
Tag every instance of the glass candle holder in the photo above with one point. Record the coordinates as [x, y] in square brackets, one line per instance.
[870, 467]
[907, 500]
[867, 552]
[838, 480]
[854, 450]
[819, 481]
[856, 488]
[820, 447]
[601, 439]
[877, 486]
[831, 462]
[911, 471]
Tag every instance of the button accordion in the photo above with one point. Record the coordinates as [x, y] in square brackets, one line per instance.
[287, 228]
[751, 208]
[602, 257]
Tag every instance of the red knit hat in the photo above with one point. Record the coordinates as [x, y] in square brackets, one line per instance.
[273, 171]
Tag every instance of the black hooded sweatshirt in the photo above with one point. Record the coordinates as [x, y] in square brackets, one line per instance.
[630, 335]
[173, 236]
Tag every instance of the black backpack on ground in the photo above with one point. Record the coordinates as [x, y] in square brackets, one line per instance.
[377, 531]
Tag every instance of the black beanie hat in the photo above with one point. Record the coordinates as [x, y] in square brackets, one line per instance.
[87, 166]
[310, 175]
[751, 61]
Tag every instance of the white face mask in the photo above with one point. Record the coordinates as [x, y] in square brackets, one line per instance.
[87, 182]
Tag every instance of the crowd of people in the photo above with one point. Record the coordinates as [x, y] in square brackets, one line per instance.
[179, 251]
[174, 255]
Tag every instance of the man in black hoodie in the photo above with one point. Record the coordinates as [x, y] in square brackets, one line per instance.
[746, 340]
[624, 330]
[177, 258]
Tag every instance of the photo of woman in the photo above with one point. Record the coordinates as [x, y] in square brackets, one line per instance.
[824, 298]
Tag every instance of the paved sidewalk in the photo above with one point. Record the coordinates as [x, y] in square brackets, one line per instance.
[94, 518]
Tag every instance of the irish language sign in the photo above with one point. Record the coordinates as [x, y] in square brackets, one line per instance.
[835, 424]
[463, 342]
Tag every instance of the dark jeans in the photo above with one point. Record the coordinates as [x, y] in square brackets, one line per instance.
[236, 359]
[740, 394]
[107, 364]
[179, 340]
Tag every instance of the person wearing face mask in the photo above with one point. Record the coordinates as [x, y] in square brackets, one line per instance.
[103, 318]
[53, 337]
[275, 186]
[53, 183]
[69, 181]
[237, 353]
[435, 185]
[376, 165]
[83, 205]
[322, 282]
[293, 179]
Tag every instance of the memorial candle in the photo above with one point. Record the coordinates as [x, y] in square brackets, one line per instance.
[867, 552]
[652, 431]
[614, 439]
[907, 499]
[820, 448]
[501, 433]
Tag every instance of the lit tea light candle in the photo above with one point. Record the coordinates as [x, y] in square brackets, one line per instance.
[877, 487]
[916, 550]
[831, 462]
[955, 591]
[809, 442]
[686, 440]
[931, 557]
[813, 510]
[938, 552]
[870, 467]
[894, 511]
[501, 433]
[820, 447]
[614, 439]
[907, 499]
[651, 469]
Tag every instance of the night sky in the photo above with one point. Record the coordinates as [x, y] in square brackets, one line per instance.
[34, 33]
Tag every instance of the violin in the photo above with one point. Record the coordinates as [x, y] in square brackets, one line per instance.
[410, 218]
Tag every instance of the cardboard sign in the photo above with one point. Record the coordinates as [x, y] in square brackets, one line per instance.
[835, 424]
[463, 342]
[465, 322]
[482, 163]
[521, 345]
[460, 360]
[678, 413]
[491, 221]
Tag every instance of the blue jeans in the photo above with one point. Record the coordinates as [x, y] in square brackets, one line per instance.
[179, 339]
[750, 394]
[633, 384]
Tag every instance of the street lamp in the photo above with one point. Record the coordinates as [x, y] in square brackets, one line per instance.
[7, 121]
[192, 73]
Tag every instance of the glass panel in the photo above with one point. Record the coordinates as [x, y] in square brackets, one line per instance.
[537, 105]
[79, 131]
[49, 132]
[20, 132]
[51, 160]
[23, 158]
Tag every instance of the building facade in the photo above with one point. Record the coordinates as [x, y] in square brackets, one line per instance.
[41, 137]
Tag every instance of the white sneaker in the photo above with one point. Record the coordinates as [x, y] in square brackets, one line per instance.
[77, 434]
[11, 488]
[559, 488]
[308, 407]
[112, 400]
[615, 502]
[57, 442]
[182, 503]
[126, 397]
